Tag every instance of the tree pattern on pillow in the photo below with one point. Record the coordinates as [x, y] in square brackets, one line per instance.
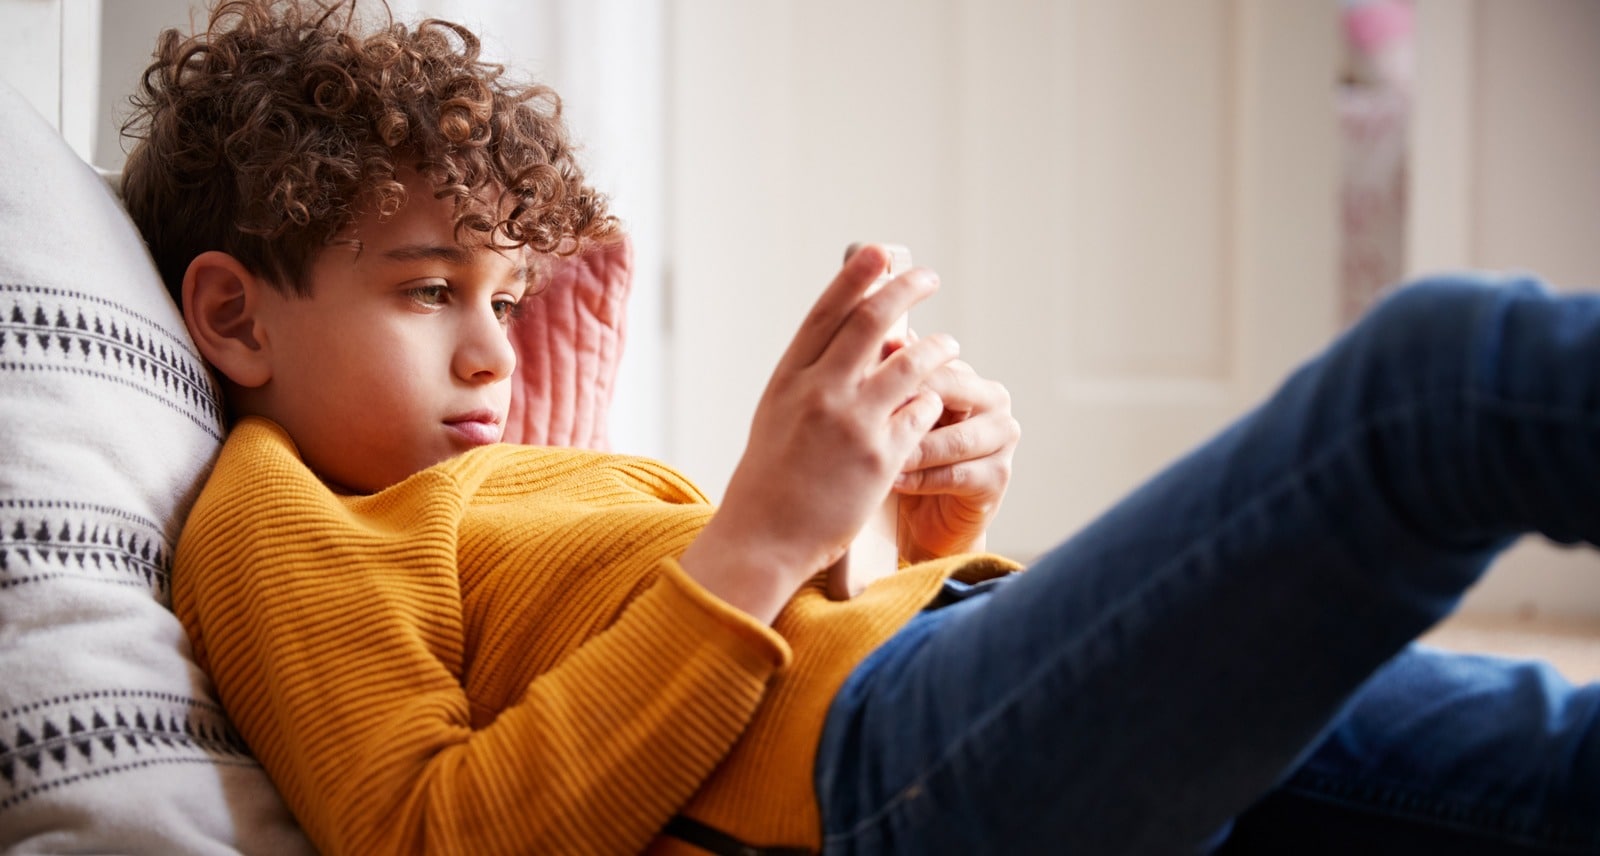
[43, 539]
[56, 742]
[52, 330]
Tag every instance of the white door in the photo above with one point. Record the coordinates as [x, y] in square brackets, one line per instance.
[1131, 204]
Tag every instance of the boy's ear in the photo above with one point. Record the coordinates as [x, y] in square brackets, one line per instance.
[221, 306]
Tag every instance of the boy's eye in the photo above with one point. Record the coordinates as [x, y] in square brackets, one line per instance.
[507, 310]
[431, 295]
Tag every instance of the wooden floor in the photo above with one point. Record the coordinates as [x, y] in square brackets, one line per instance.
[1572, 647]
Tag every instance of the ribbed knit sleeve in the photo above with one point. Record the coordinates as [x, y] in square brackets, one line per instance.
[335, 630]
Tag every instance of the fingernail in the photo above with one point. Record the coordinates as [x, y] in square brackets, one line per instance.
[899, 257]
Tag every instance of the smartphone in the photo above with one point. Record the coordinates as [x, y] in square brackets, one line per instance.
[875, 551]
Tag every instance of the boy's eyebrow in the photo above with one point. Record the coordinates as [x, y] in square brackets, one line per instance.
[452, 254]
[427, 252]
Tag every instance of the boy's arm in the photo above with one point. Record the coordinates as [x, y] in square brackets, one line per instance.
[340, 659]
[838, 425]
[833, 429]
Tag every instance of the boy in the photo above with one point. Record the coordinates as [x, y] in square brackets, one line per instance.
[434, 641]
[364, 316]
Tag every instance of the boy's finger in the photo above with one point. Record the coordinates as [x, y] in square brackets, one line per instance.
[913, 418]
[980, 484]
[969, 440]
[904, 373]
[963, 389]
[860, 341]
[834, 305]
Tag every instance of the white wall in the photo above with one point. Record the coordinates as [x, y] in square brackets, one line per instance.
[128, 37]
[1506, 159]
[48, 53]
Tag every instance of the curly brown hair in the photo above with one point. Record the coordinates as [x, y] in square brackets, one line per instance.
[271, 131]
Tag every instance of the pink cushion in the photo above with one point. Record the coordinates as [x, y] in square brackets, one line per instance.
[569, 340]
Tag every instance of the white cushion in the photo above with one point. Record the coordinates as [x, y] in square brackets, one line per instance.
[111, 740]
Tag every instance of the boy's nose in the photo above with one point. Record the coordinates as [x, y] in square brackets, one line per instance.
[484, 353]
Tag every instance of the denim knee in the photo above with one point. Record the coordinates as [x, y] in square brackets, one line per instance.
[1482, 400]
[1435, 310]
[1430, 335]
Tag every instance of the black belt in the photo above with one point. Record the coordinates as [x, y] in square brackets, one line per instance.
[721, 843]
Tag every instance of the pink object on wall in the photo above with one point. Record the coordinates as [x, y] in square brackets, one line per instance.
[1374, 118]
[1371, 26]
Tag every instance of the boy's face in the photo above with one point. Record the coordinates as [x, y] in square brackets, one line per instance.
[400, 357]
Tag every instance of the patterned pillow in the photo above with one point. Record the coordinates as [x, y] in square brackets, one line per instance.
[111, 740]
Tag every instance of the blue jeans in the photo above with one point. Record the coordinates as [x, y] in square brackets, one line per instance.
[1224, 658]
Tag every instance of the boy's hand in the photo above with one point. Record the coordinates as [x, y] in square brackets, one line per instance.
[954, 481]
[834, 427]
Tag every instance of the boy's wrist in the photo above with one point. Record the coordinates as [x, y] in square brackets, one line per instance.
[746, 572]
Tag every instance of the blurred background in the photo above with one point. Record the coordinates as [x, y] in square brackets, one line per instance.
[1144, 212]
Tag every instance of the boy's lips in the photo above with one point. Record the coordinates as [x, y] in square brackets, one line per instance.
[475, 428]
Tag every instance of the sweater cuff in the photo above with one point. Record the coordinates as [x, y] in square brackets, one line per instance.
[762, 645]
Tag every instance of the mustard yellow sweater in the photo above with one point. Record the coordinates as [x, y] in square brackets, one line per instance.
[500, 654]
